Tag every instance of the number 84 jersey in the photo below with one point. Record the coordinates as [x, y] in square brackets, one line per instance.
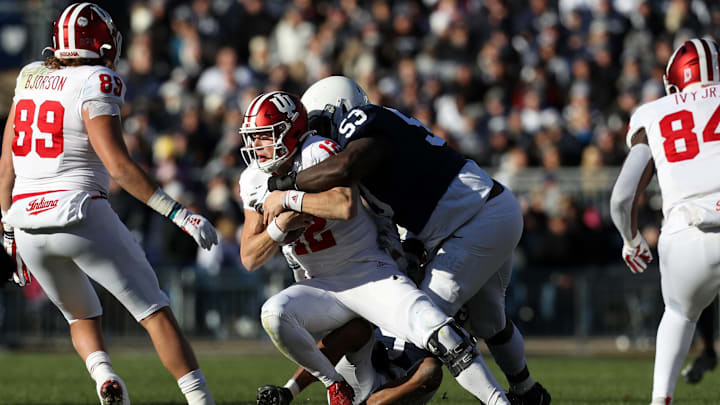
[51, 148]
[327, 246]
[683, 131]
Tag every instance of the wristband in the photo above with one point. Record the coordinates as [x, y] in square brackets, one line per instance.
[293, 200]
[163, 203]
[275, 233]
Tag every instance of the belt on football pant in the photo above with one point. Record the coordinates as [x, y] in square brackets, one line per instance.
[495, 191]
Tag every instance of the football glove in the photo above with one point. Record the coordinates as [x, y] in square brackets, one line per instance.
[20, 274]
[282, 182]
[196, 226]
[389, 240]
[636, 254]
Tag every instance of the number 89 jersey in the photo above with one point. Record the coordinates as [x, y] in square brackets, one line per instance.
[683, 131]
[51, 148]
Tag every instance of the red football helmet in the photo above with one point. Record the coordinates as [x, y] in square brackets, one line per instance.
[278, 116]
[84, 30]
[696, 61]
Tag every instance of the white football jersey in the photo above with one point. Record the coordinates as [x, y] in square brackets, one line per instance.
[684, 136]
[51, 148]
[327, 245]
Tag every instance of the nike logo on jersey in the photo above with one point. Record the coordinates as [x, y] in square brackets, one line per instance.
[37, 206]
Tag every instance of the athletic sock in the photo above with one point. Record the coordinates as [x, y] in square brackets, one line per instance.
[195, 389]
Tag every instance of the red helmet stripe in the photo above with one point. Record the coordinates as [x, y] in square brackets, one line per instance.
[71, 24]
[63, 27]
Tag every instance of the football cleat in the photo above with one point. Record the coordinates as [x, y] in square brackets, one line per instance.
[273, 395]
[694, 372]
[112, 393]
[536, 395]
[340, 393]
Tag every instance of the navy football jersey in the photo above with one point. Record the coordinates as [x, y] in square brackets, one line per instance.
[408, 186]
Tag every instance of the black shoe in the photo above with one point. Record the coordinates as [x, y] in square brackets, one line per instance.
[536, 395]
[274, 395]
[695, 371]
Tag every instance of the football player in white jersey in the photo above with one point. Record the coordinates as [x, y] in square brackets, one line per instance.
[333, 240]
[678, 135]
[62, 142]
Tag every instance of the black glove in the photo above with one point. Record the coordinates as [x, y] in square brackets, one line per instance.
[415, 256]
[282, 182]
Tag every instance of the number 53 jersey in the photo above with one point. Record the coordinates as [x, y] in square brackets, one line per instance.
[51, 149]
[327, 246]
[683, 131]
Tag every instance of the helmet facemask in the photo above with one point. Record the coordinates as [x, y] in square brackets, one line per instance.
[280, 152]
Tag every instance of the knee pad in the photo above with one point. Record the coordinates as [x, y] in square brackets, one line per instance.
[458, 351]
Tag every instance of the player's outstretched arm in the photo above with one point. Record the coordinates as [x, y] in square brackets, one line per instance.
[413, 388]
[358, 159]
[635, 175]
[105, 135]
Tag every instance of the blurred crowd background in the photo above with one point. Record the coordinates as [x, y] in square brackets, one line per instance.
[538, 92]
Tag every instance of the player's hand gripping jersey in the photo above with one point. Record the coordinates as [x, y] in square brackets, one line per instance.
[51, 149]
[683, 131]
[326, 245]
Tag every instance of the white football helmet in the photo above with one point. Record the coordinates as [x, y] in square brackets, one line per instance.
[327, 101]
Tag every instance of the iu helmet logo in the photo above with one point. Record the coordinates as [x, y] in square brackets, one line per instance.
[275, 123]
[695, 61]
[284, 104]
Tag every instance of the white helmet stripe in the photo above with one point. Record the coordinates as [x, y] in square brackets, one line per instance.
[713, 59]
[71, 24]
[702, 60]
[61, 28]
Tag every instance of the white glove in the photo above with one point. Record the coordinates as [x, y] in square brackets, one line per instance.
[636, 254]
[196, 226]
[21, 275]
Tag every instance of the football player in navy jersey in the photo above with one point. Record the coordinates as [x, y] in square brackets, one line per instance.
[467, 223]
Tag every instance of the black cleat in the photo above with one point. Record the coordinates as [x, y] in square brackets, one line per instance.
[274, 395]
[694, 372]
[536, 395]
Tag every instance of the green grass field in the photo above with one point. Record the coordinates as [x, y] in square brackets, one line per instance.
[60, 378]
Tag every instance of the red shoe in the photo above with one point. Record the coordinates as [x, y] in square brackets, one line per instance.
[340, 393]
[111, 393]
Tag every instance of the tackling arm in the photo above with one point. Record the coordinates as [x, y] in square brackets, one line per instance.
[635, 175]
[358, 159]
[336, 203]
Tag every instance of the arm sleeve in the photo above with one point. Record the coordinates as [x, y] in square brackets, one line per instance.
[623, 193]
